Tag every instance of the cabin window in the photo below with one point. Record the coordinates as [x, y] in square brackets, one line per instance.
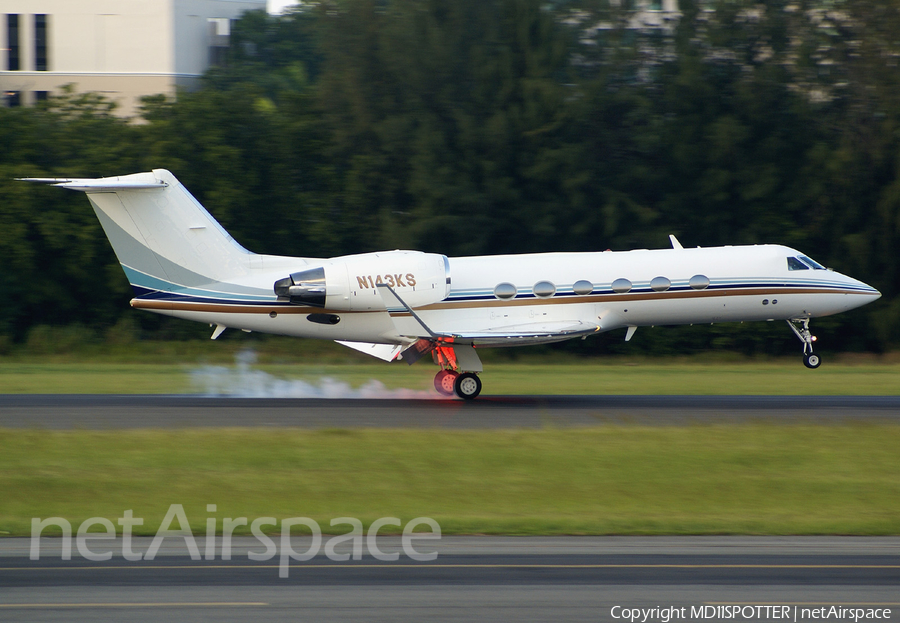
[583, 287]
[544, 289]
[660, 284]
[795, 264]
[811, 262]
[505, 291]
[621, 286]
[699, 282]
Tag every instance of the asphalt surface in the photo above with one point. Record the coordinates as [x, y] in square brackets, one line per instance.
[105, 411]
[472, 579]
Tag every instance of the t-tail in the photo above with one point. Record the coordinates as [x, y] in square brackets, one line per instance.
[164, 239]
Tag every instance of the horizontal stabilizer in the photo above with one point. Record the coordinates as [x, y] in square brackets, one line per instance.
[385, 352]
[106, 184]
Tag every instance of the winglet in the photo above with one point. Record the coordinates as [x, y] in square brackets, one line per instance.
[675, 243]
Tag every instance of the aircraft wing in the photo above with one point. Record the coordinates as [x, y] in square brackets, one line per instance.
[409, 324]
[534, 333]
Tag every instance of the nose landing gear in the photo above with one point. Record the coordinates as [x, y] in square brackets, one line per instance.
[800, 327]
[811, 360]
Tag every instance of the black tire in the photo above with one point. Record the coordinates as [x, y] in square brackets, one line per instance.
[445, 382]
[467, 386]
[812, 360]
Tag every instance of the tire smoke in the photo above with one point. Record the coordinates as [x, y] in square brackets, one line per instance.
[243, 381]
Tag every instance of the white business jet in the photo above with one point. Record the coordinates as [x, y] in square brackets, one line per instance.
[409, 304]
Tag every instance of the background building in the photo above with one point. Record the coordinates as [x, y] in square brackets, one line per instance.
[123, 49]
[654, 14]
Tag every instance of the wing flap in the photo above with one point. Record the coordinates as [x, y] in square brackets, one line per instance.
[385, 352]
[565, 328]
[531, 333]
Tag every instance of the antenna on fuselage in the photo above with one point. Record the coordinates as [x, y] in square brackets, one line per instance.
[675, 243]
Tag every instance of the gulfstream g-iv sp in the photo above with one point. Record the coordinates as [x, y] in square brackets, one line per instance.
[409, 304]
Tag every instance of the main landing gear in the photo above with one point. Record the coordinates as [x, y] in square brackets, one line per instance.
[466, 385]
[452, 379]
[800, 327]
[444, 382]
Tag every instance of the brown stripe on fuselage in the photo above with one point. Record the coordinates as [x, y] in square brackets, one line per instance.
[567, 300]
[222, 307]
[640, 296]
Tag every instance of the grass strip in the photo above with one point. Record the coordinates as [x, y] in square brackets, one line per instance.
[701, 479]
[582, 377]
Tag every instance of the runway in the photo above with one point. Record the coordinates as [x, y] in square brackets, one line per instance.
[472, 579]
[123, 411]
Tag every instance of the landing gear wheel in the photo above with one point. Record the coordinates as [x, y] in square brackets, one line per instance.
[445, 382]
[800, 327]
[467, 386]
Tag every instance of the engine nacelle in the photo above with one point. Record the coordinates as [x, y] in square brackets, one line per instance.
[348, 283]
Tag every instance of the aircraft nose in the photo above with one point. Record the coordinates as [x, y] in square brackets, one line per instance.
[865, 293]
[870, 290]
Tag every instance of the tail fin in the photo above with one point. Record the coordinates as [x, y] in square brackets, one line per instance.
[163, 237]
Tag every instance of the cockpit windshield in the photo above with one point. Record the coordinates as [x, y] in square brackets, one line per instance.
[803, 263]
[812, 263]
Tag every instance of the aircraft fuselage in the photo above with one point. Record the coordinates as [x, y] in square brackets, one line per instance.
[740, 283]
